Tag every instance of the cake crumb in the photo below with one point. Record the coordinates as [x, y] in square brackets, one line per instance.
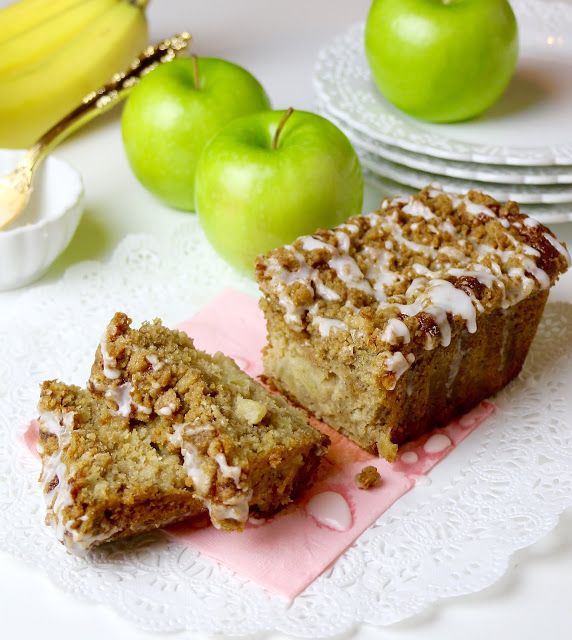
[368, 478]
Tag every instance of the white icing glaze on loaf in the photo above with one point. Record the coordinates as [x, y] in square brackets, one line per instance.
[110, 370]
[396, 332]
[55, 472]
[437, 275]
[200, 470]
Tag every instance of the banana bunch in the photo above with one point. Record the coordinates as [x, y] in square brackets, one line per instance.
[54, 52]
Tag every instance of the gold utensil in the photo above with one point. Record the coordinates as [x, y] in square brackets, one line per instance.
[16, 187]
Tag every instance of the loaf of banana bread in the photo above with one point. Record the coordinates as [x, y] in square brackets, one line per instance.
[397, 321]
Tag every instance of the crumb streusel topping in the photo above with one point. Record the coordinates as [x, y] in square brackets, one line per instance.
[403, 273]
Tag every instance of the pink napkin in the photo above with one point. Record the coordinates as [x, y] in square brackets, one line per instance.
[284, 554]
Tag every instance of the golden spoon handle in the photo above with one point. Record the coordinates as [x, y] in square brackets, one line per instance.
[15, 188]
[106, 97]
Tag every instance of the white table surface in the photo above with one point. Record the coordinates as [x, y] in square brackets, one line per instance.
[278, 42]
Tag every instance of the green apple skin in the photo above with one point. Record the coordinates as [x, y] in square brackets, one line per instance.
[441, 60]
[252, 198]
[167, 121]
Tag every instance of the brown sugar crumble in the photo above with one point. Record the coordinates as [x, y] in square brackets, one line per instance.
[368, 478]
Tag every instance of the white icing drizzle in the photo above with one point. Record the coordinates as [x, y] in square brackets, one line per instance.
[309, 243]
[423, 270]
[154, 361]
[236, 506]
[537, 273]
[80, 542]
[284, 278]
[398, 364]
[352, 228]
[475, 209]
[520, 291]
[122, 396]
[59, 497]
[331, 509]
[110, 370]
[417, 284]
[456, 254]
[192, 460]
[396, 332]
[343, 241]
[415, 247]
[325, 292]
[349, 273]
[325, 325]
[417, 209]
[409, 457]
[454, 301]
[483, 275]
[448, 227]
[438, 298]
[395, 202]
[379, 272]
[141, 408]
[167, 410]
[436, 443]
[557, 245]
[227, 470]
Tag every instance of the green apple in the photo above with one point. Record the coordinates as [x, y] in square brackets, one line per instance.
[172, 114]
[270, 177]
[441, 60]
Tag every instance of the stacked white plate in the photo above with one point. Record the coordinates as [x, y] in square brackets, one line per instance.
[520, 149]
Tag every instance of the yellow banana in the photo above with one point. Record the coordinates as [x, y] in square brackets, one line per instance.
[43, 92]
[41, 40]
[26, 14]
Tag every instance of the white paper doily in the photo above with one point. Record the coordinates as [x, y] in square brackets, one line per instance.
[507, 134]
[501, 490]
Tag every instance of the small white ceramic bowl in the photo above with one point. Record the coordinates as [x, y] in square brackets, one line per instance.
[44, 230]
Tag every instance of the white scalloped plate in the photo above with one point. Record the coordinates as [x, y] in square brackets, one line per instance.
[531, 124]
[545, 213]
[501, 174]
[524, 194]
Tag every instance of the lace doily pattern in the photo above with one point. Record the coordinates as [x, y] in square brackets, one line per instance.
[501, 490]
[343, 84]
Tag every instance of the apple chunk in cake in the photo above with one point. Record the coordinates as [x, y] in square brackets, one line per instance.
[396, 321]
[243, 448]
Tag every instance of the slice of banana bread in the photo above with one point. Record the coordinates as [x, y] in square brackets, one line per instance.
[396, 321]
[243, 448]
[105, 477]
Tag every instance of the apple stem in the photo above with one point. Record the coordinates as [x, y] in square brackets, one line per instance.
[195, 70]
[280, 126]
